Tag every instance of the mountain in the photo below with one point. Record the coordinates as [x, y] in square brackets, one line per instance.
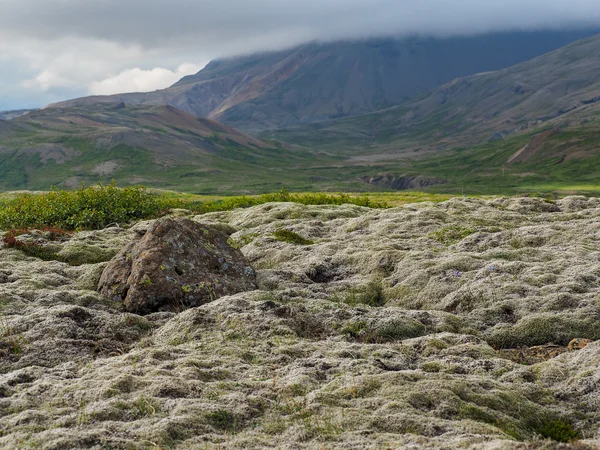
[533, 125]
[319, 81]
[559, 89]
[159, 146]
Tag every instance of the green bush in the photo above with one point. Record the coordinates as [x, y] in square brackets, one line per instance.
[96, 207]
[558, 430]
[85, 208]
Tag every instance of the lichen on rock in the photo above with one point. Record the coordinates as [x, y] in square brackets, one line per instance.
[176, 265]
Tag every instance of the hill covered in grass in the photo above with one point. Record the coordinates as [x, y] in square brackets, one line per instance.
[155, 145]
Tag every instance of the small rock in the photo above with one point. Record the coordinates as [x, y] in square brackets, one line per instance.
[178, 264]
[579, 344]
[534, 355]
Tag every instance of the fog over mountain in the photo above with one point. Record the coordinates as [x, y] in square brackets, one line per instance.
[57, 49]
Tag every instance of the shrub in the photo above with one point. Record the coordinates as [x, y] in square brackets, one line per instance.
[85, 208]
[558, 430]
[96, 207]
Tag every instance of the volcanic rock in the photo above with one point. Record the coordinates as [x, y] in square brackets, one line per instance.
[176, 265]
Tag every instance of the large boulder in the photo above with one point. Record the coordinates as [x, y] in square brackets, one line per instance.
[178, 264]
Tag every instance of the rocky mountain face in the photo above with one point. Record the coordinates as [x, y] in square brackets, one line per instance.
[559, 89]
[466, 324]
[527, 128]
[315, 82]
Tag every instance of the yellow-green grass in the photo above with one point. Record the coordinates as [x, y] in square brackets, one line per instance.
[394, 198]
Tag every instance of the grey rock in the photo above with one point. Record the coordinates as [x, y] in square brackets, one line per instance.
[178, 264]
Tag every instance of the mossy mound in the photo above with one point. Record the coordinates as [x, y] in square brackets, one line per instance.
[378, 335]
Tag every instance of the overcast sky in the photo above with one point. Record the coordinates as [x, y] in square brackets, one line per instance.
[57, 49]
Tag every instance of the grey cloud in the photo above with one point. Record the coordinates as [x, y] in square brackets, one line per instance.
[73, 44]
[231, 25]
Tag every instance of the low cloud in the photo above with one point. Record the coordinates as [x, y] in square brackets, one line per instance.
[139, 80]
[57, 48]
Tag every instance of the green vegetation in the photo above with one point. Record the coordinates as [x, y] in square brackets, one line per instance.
[370, 294]
[290, 237]
[85, 208]
[542, 328]
[99, 206]
[223, 420]
[283, 195]
[451, 235]
[396, 330]
[558, 430]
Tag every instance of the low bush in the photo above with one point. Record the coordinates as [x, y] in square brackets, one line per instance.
[85, 208]
[96, 207]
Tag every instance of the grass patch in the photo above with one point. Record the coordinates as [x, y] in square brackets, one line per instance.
[290, 237]
[222, 420]
[370, 294]
[451, 235]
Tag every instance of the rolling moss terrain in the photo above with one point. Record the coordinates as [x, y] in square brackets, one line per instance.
[371, 328]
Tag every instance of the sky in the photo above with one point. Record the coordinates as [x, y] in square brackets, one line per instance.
[52, 50]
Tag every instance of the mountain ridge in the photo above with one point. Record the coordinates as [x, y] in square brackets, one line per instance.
[558, 89]
[318, 81]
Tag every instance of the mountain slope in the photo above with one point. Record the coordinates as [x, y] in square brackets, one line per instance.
[8, 115]
[319, 81]
[559, 89]
[155, 145]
